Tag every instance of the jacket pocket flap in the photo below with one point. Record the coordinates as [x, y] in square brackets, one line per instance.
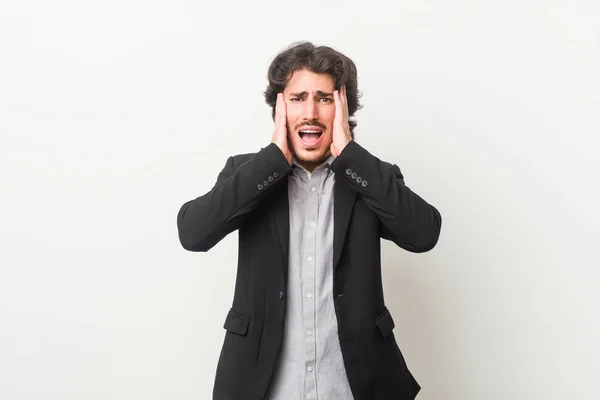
[385, 322]
[237, 322]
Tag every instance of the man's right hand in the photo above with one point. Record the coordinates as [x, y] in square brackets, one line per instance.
[280, 137]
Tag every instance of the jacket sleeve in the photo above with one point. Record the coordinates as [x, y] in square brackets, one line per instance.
[406, 219]
[206, 220]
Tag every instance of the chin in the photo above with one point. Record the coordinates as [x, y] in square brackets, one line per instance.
[313, 157]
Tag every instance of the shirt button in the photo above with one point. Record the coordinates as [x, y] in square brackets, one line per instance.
[309, 333]
[281, 295]
[313, 189]
[309, 369]
[309, 295]
[312, 224]
[309, 259]
[348, 171]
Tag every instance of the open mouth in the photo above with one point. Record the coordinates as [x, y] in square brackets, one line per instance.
[310, 135]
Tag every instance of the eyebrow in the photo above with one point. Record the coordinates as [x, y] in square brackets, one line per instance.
[319, 92]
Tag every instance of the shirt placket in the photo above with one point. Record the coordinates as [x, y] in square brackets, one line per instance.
[308, 287]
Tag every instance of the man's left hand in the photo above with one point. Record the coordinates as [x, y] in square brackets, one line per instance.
[341, 129]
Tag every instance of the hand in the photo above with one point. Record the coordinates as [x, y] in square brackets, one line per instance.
[341, 129]
[280, 137]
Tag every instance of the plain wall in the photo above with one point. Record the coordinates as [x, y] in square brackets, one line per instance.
[114, 113]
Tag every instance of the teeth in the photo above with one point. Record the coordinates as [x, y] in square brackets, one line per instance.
[311, 131]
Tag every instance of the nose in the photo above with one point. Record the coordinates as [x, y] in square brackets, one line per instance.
[311, 110]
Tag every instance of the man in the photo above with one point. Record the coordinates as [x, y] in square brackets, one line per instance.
[308, 319]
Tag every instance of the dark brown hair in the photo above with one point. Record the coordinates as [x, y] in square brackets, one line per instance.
[318, 59]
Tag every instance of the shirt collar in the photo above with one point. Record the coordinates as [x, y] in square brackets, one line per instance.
[325, 164]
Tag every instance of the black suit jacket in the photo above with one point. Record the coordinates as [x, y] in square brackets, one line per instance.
[371, 202]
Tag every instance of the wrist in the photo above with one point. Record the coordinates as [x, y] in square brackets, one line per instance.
[343, 145]
[285, 151]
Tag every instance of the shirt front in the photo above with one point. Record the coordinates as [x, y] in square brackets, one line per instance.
[310, 365]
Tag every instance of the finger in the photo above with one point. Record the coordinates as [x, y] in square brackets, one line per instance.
[343, 105]
[283, 109]
[345, 102]
[282, 114]
[278, 108]
[338, 106]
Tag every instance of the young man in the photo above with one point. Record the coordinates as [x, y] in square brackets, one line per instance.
[308, 319]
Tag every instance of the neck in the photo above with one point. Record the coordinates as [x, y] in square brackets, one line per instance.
[311, 165]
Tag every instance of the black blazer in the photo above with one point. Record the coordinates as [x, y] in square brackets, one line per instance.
[371, 202]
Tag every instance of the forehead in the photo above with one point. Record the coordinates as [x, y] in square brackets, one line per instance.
[307, 81]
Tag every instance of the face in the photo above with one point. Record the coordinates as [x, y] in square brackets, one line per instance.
[310, 114]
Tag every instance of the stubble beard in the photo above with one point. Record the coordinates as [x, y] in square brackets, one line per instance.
[310, 163]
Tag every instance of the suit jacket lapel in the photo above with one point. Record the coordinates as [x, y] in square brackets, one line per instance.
[280, 218]
[343, 202]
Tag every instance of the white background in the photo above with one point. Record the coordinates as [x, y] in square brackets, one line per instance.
[114, 113]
